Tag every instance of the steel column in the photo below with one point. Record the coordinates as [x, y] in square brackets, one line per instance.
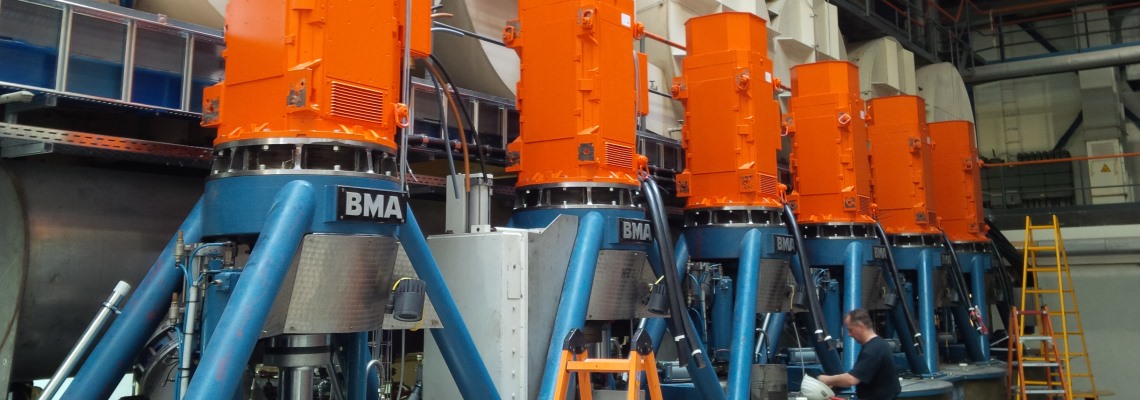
[356, 365]
[852, 298]
[978, 265]
[744, 309]
[145, 309]
[454, 340]
[224, 361]
[926, 311]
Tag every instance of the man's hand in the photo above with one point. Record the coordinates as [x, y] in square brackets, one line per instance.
[841, 380]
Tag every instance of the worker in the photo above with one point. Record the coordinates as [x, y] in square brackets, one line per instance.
[874, 376]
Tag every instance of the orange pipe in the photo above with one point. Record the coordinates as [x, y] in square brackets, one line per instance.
[1057, 160]
[662, 39]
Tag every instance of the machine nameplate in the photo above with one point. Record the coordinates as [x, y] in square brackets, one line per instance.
[634, 230]
[785, 243]
[879, 252]
[370, 205]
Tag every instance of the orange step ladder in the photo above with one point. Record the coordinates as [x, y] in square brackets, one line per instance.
[1054, 385]
[574, 361]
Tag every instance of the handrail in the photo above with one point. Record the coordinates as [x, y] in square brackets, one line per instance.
[1057, 160]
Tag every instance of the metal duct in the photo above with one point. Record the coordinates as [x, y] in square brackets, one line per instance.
[1053, 65]
[67, 234]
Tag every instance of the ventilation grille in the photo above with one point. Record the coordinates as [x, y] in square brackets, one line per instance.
[769, 185]
[355, 102]
[865, 205]
[619, 156]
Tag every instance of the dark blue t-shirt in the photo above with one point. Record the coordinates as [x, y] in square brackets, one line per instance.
[875, 370]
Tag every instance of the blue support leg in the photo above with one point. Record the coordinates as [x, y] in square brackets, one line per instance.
[575, 295]
[978, 266]
[454, 340]
[357, 356]
[744, 310]
[146, 308]
[926, 311]
[852, 298]
[223, 362]
[828, 356]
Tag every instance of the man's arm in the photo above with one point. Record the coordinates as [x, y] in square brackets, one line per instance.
[841, 380]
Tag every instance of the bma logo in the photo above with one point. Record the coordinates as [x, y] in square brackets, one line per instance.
[635, 230]
[360, 204]
[879, 252]
[785, 243]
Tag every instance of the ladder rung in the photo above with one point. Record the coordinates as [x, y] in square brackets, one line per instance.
[1081, 375]
[1041, 269]
[1039, 364]
[1040, 227]
[1052, 291]
[598, 365]
[1044, 391]
[1035, 338]
[1040, 248]
[1039, 383]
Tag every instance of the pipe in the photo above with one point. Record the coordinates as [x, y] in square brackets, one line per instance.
[575, 295]
[1052, 65]
[454, 339]
[744, 309]
[224, 361]
[852, 297]
[185, 359]
[762, 340]
[356, 369]
[914, 342]
[123, 341]
[926, 310]
[110, 306]
[720, 338]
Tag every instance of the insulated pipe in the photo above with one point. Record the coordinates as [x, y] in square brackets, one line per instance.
[123, 341]
[926, 311]
[852, 297]
[575, 298]
[117, 294]
[454, 340]
[744, 310]
[224, 361]
[720, 337]
[1051, 65]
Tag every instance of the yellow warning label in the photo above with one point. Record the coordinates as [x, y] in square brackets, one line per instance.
[1105, 168]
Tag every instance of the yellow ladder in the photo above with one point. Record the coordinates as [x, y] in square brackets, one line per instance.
[1063, 298]
[574, 362]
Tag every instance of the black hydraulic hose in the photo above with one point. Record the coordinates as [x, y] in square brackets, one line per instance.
[677, 311]
[463, 109]
[893, 271]
[959, 278]
[820, 327]
[447, 137]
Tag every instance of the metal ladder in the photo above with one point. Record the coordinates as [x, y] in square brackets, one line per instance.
[1018, 360]
[574, 361]
[1064, 297]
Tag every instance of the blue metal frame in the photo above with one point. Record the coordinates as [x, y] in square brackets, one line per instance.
[975, 265]
[924, 261]
[744, 326]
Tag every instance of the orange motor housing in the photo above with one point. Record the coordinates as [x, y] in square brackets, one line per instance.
[901, 165]
[958, 181]
[829, 145]
[577, 94]
[732, 120]
[321, 69]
